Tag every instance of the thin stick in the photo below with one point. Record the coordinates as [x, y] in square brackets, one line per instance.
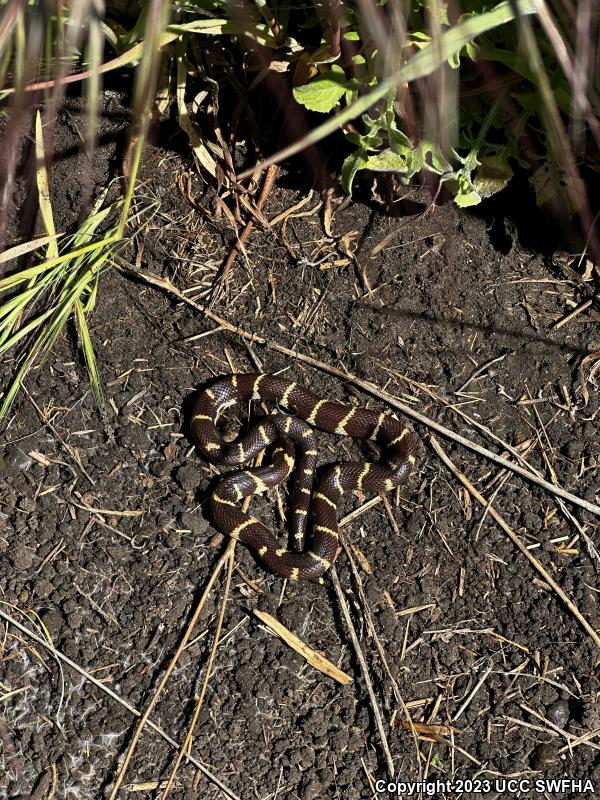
[572, 315]
[517, 542]
[364, 669]
[472, 693]
[366, 386]
[136, 713]
[382, 656]
[187, 744]
[262, 199]
[154, 699]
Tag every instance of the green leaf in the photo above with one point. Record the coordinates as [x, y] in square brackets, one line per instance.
[461, 186]
[323, 55]
[352, 164]
[454, 60]
[88, 349]
[324, 92]
[433, 158]
[465, 199]
[365, 141]
[553, 187]
[387, 161]
[492, 175]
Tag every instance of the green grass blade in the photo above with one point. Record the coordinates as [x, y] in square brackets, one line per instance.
[21, 277]
[143, 94]
[88, 350]
[19, 301]
[23, 331]
[41, 345]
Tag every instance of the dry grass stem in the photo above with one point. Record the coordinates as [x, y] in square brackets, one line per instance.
[364, 669]
[315, 659]
[518, 543]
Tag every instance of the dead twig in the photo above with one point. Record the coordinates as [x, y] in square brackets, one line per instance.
[262, 199]
[364, 669]
[517, 542]
[576, 311]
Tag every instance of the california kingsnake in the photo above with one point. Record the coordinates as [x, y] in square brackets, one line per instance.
[294, 434]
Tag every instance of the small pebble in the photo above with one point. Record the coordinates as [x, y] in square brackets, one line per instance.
[159, 468]
[22, 557]
[543, 757]
[43, 588]
[193, 522]
[187, 477]
[15, 457]
[558, 713]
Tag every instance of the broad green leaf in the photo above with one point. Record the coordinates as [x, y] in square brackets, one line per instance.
[365, 141]
[464, 199]
[324, 92]
[387, 161]
[461, 186]
[433, 157]
[492, 175]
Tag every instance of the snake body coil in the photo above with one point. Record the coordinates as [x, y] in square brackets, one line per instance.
[293, 434]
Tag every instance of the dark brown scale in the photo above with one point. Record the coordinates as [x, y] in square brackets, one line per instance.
[327, 415]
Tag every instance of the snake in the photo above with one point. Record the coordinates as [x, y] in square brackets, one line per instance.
[290, 430]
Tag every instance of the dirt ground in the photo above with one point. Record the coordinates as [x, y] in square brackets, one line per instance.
[105, 546]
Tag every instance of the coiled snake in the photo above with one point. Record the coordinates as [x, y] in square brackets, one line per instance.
[294, 435]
